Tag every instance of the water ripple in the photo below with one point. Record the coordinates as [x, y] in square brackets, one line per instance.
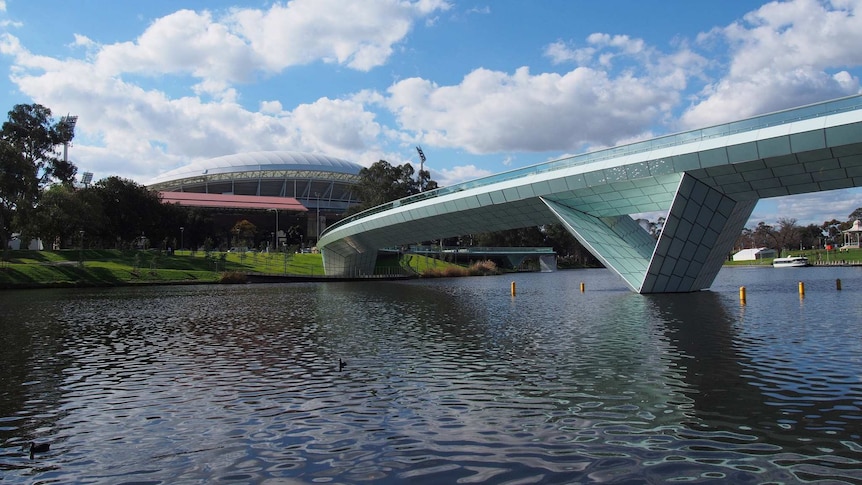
[446, 382]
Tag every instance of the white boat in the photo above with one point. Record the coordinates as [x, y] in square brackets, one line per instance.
[790, 262]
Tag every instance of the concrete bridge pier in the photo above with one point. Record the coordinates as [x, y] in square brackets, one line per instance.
[349, 260]
[699, 231]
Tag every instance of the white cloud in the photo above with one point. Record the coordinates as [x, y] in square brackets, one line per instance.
[782, 55]
[446, 177]
[491, 111]
[140, 131]
[814, 208]
[620, 90]
[360, 35]
[271, 107]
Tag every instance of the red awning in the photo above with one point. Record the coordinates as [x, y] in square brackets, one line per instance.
[232, 201]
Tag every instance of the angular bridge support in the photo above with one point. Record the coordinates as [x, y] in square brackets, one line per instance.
[699, 231]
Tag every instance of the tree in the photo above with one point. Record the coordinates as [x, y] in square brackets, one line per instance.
[30, 161]
[130, 210]
[788, 235]
[383, 182]
[855, 215]
[525, 236]
[811, 236]
[832, 229]
[765, 236]
[243, 232]
[745, 239]
[61, 213]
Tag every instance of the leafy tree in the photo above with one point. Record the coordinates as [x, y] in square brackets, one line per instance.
[383, 182]
[130, 210]
[788, 234]
[29, 161]
[61, 214]
[811, 236]
[856, 215]
[765, 236]
[244, 232]
[745, 239]
[569, 250]
[525, 236]
[832, 230]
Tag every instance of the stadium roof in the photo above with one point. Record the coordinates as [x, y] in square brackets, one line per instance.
[259, 161]
[232, 201]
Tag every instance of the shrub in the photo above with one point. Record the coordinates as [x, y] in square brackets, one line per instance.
[479, 268]
[233, 278]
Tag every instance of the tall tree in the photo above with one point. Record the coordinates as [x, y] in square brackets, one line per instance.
[788, 235]
[383, 182]
[765, 236]
[60, 215]
[130, 211]
[29, 161]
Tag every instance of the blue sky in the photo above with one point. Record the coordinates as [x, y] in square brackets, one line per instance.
[482, 86]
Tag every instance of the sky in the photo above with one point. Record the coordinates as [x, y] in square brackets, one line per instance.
[482, 86]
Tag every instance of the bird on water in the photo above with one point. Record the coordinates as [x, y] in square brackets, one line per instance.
[40, 448]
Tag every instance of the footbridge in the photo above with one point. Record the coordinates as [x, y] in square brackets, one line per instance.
[706, 181]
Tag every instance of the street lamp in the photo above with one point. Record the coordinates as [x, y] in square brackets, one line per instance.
[317, 194]
[81, 249]
[182, 237]
[276, 229]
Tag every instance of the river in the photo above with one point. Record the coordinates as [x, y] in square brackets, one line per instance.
[445, 381]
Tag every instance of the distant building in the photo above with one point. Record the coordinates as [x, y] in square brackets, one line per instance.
[754, 254]
[853, 237]
[311, 179]
[321, 186]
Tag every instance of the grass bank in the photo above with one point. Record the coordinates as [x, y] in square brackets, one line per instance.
[74, 268]
[23, 269]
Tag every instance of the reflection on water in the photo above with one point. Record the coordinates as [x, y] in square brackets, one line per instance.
[447, 381]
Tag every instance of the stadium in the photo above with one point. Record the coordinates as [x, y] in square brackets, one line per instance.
[302, 186]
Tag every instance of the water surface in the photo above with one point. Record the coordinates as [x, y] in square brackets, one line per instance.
[447, 381]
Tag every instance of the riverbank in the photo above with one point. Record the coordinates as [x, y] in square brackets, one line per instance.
[816, 257]
[104, 268]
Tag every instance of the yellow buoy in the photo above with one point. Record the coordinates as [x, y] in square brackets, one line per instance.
[582, 287]
[742, 294]
[801, 288]
[513, 288]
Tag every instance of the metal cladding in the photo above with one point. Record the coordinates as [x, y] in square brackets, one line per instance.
[705, 181]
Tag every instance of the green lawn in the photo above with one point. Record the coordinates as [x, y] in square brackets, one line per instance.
[23, 269]
[112, 267]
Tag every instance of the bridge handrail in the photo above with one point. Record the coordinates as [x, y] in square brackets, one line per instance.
[791, 115]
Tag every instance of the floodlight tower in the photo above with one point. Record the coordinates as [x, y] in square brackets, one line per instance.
[421, 167]
[68, 123]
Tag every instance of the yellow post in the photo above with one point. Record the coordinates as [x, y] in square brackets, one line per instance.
[801, 288]
[582, 287]
[742, 294]
[513, 288]
[838, 284]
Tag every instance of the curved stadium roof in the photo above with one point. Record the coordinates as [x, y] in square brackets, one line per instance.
[256, 162]
[315, 180]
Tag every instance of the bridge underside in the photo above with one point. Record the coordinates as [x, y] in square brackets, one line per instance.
[701, 227]
[707, 193]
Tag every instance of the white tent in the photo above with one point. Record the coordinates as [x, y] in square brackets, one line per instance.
[754, 254]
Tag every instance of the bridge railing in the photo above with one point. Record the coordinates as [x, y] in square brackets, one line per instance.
[835, 106]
